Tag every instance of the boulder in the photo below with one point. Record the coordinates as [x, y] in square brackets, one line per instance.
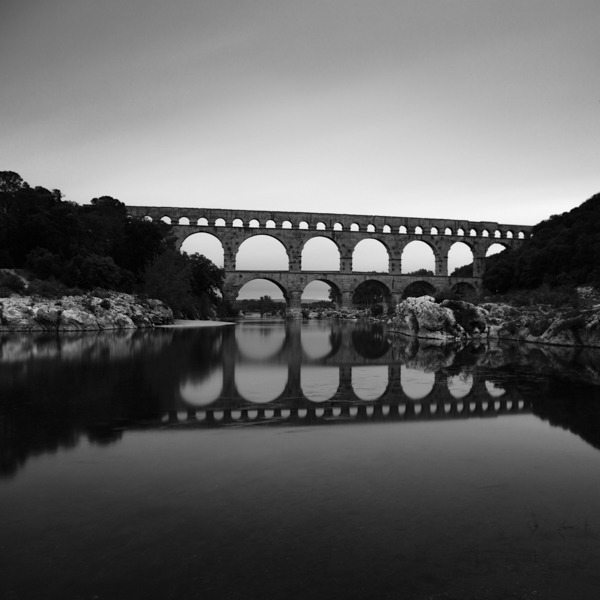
[74, 319]
[422, 317]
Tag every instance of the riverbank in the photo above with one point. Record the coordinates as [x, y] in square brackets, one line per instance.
[110, 311]
[453, 320]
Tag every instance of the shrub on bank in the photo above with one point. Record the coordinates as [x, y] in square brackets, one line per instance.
[12, 283]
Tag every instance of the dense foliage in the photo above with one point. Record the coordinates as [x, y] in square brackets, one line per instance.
[564, 250]
[68, 245]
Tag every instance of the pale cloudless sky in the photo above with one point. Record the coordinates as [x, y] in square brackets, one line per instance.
[476, 109]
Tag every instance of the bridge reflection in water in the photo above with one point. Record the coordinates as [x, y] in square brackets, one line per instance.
[326, 372]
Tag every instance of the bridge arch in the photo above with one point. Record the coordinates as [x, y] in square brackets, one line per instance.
[262, 252]
[459, 255]
[234, 289]
[336, 292]
[208, 244]
[371, 292]
[418, 255]
[320, 253]
[495, 247]
[463, 288]
[371, 255]
[418, 288]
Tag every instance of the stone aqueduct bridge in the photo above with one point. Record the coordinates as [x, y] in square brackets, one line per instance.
[295, 229]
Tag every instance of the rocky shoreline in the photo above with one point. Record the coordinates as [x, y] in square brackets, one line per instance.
[82, 313]
[455, 320]
[448, 321]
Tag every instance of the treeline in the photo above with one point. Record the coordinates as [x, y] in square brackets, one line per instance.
[564, 250]
[72, 248]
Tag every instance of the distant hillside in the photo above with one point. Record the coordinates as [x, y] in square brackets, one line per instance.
[563, 250]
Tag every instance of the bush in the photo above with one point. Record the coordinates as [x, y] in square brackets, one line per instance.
[12, 282]
[94, 271]
[376, 310]
[50, 288]
[44, 263]
[445, 294]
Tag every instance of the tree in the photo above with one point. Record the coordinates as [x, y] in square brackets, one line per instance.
[168, 278]
[368, 293]
[206, 277]
[11, 182]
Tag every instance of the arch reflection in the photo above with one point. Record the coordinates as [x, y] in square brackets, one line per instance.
[460, 385]
[369, 383]
[319, 383]
[204, 391]
[260, 384]
[259, 342]
[416, 384]
[494, 390]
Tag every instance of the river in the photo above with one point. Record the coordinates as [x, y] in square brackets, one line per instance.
[272, 460]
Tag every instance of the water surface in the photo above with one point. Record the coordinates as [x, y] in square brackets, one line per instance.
[314, 460]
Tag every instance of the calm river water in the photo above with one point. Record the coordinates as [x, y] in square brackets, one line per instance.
[303, 460]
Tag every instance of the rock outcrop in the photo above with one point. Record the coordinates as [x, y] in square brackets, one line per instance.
[82, 313]
[454, 320]
[423, 317]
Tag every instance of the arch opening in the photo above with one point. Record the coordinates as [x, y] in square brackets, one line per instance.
[259, 297]
[371, 293]
[418, 259]
[418, 289]
[495, 249]
[464, 289]
[460, 260]
[262, 253]
[321, 294]
[320, 254]
[206, 244]
[371, 256]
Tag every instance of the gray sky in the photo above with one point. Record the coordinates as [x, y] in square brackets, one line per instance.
[478, 109]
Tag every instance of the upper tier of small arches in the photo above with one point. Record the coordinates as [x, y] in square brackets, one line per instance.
[351, 223]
